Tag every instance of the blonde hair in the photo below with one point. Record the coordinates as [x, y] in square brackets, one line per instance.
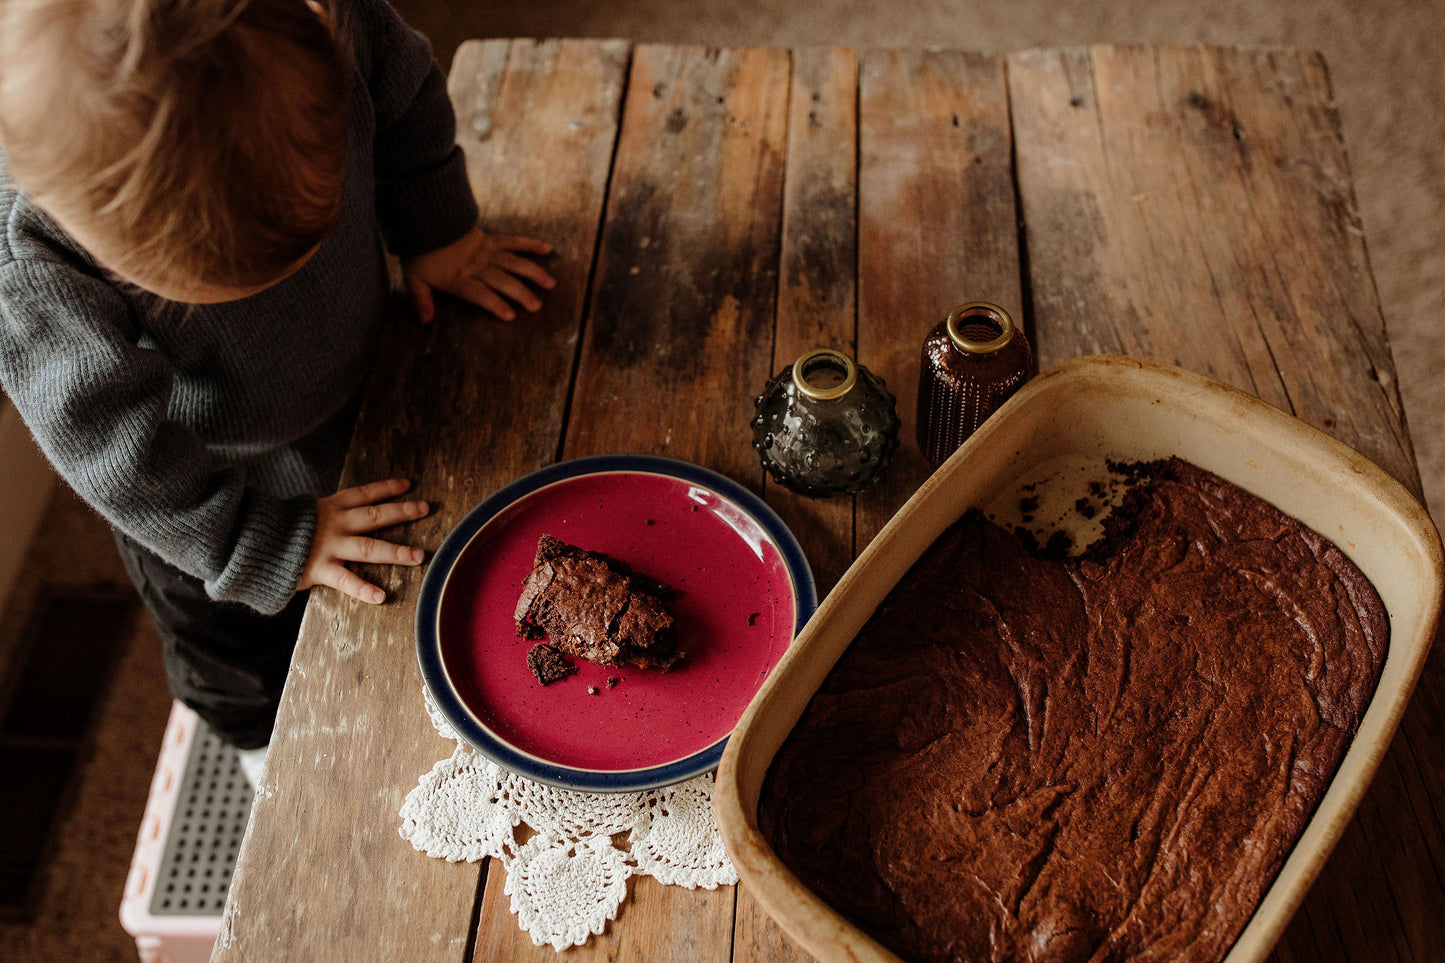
[205, 140]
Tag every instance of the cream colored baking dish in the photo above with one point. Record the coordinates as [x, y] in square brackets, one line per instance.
[1055, 433]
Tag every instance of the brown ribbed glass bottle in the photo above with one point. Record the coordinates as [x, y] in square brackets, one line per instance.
[972, 362]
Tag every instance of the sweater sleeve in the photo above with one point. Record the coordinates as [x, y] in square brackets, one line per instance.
[423, 199]
[96, 402]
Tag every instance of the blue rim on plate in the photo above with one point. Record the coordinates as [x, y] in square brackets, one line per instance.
[429, 602]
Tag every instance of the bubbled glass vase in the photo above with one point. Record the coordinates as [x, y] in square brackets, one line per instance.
[825, 425]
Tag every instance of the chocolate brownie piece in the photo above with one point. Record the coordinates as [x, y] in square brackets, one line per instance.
[595, 608]
[548, 665]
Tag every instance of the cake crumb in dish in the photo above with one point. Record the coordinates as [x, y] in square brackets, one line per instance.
[548, 665]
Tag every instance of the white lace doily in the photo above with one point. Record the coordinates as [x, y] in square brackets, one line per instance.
[570, 877]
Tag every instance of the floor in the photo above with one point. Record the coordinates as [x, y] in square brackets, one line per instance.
[1390, 85]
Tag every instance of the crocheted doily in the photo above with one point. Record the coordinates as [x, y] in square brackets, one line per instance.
[570, 877]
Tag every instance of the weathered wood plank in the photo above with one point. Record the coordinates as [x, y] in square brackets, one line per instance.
[682, 300]
[322, 872]
[1195, 205]
[817, 307]
[937, 225]
[817, 293]
[687, 272]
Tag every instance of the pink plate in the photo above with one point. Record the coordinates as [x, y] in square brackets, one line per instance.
[737, 606]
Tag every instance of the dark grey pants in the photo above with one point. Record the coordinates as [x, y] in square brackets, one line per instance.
[224, 660]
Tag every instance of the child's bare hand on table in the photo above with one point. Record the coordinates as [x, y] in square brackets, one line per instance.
[342, 521]
[485, 269]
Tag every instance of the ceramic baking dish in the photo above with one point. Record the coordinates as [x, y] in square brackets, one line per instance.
[1056, 433]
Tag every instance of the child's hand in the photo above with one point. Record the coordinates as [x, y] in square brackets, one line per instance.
[482, 269]
[341, 521]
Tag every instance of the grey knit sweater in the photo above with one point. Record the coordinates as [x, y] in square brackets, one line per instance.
[206, 433]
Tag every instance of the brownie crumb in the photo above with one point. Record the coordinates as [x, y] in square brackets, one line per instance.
[612, 681]
[591, 690]
[548, 665]
[1058, 546]
[1135, 471]
[1029, 504]
[1086, 508]
[753, 619]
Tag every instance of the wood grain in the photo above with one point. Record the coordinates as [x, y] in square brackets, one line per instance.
[1167, 195]
[937, 225]
[1194, 205]
[322, 872]
[817, 304]
[688, 266]
[817, 308]
[683, 295]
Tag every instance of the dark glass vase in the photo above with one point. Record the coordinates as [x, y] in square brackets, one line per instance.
[972, 362]
[825, 425]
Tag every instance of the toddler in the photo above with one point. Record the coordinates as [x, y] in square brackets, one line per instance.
[195, 197]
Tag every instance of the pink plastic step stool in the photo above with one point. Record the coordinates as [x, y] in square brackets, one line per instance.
[185, 851]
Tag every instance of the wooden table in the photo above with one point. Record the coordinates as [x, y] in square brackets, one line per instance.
[715, 214]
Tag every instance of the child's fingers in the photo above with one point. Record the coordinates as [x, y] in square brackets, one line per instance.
[370, 517]
[484, 297]
[504, 283]
[526, 268]
[357, 548]
[523, 244]
[370, 492]
[347, 582]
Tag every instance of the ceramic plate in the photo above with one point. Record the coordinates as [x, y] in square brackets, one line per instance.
[743, 590]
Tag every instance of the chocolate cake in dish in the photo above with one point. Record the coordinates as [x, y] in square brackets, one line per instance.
[1106, 757]
[593, 607]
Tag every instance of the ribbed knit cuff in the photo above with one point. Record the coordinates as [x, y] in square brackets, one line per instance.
[269, 554]
[428, 210]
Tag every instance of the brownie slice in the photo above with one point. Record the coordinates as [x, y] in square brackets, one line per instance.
[548, 665]
[595, 608]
